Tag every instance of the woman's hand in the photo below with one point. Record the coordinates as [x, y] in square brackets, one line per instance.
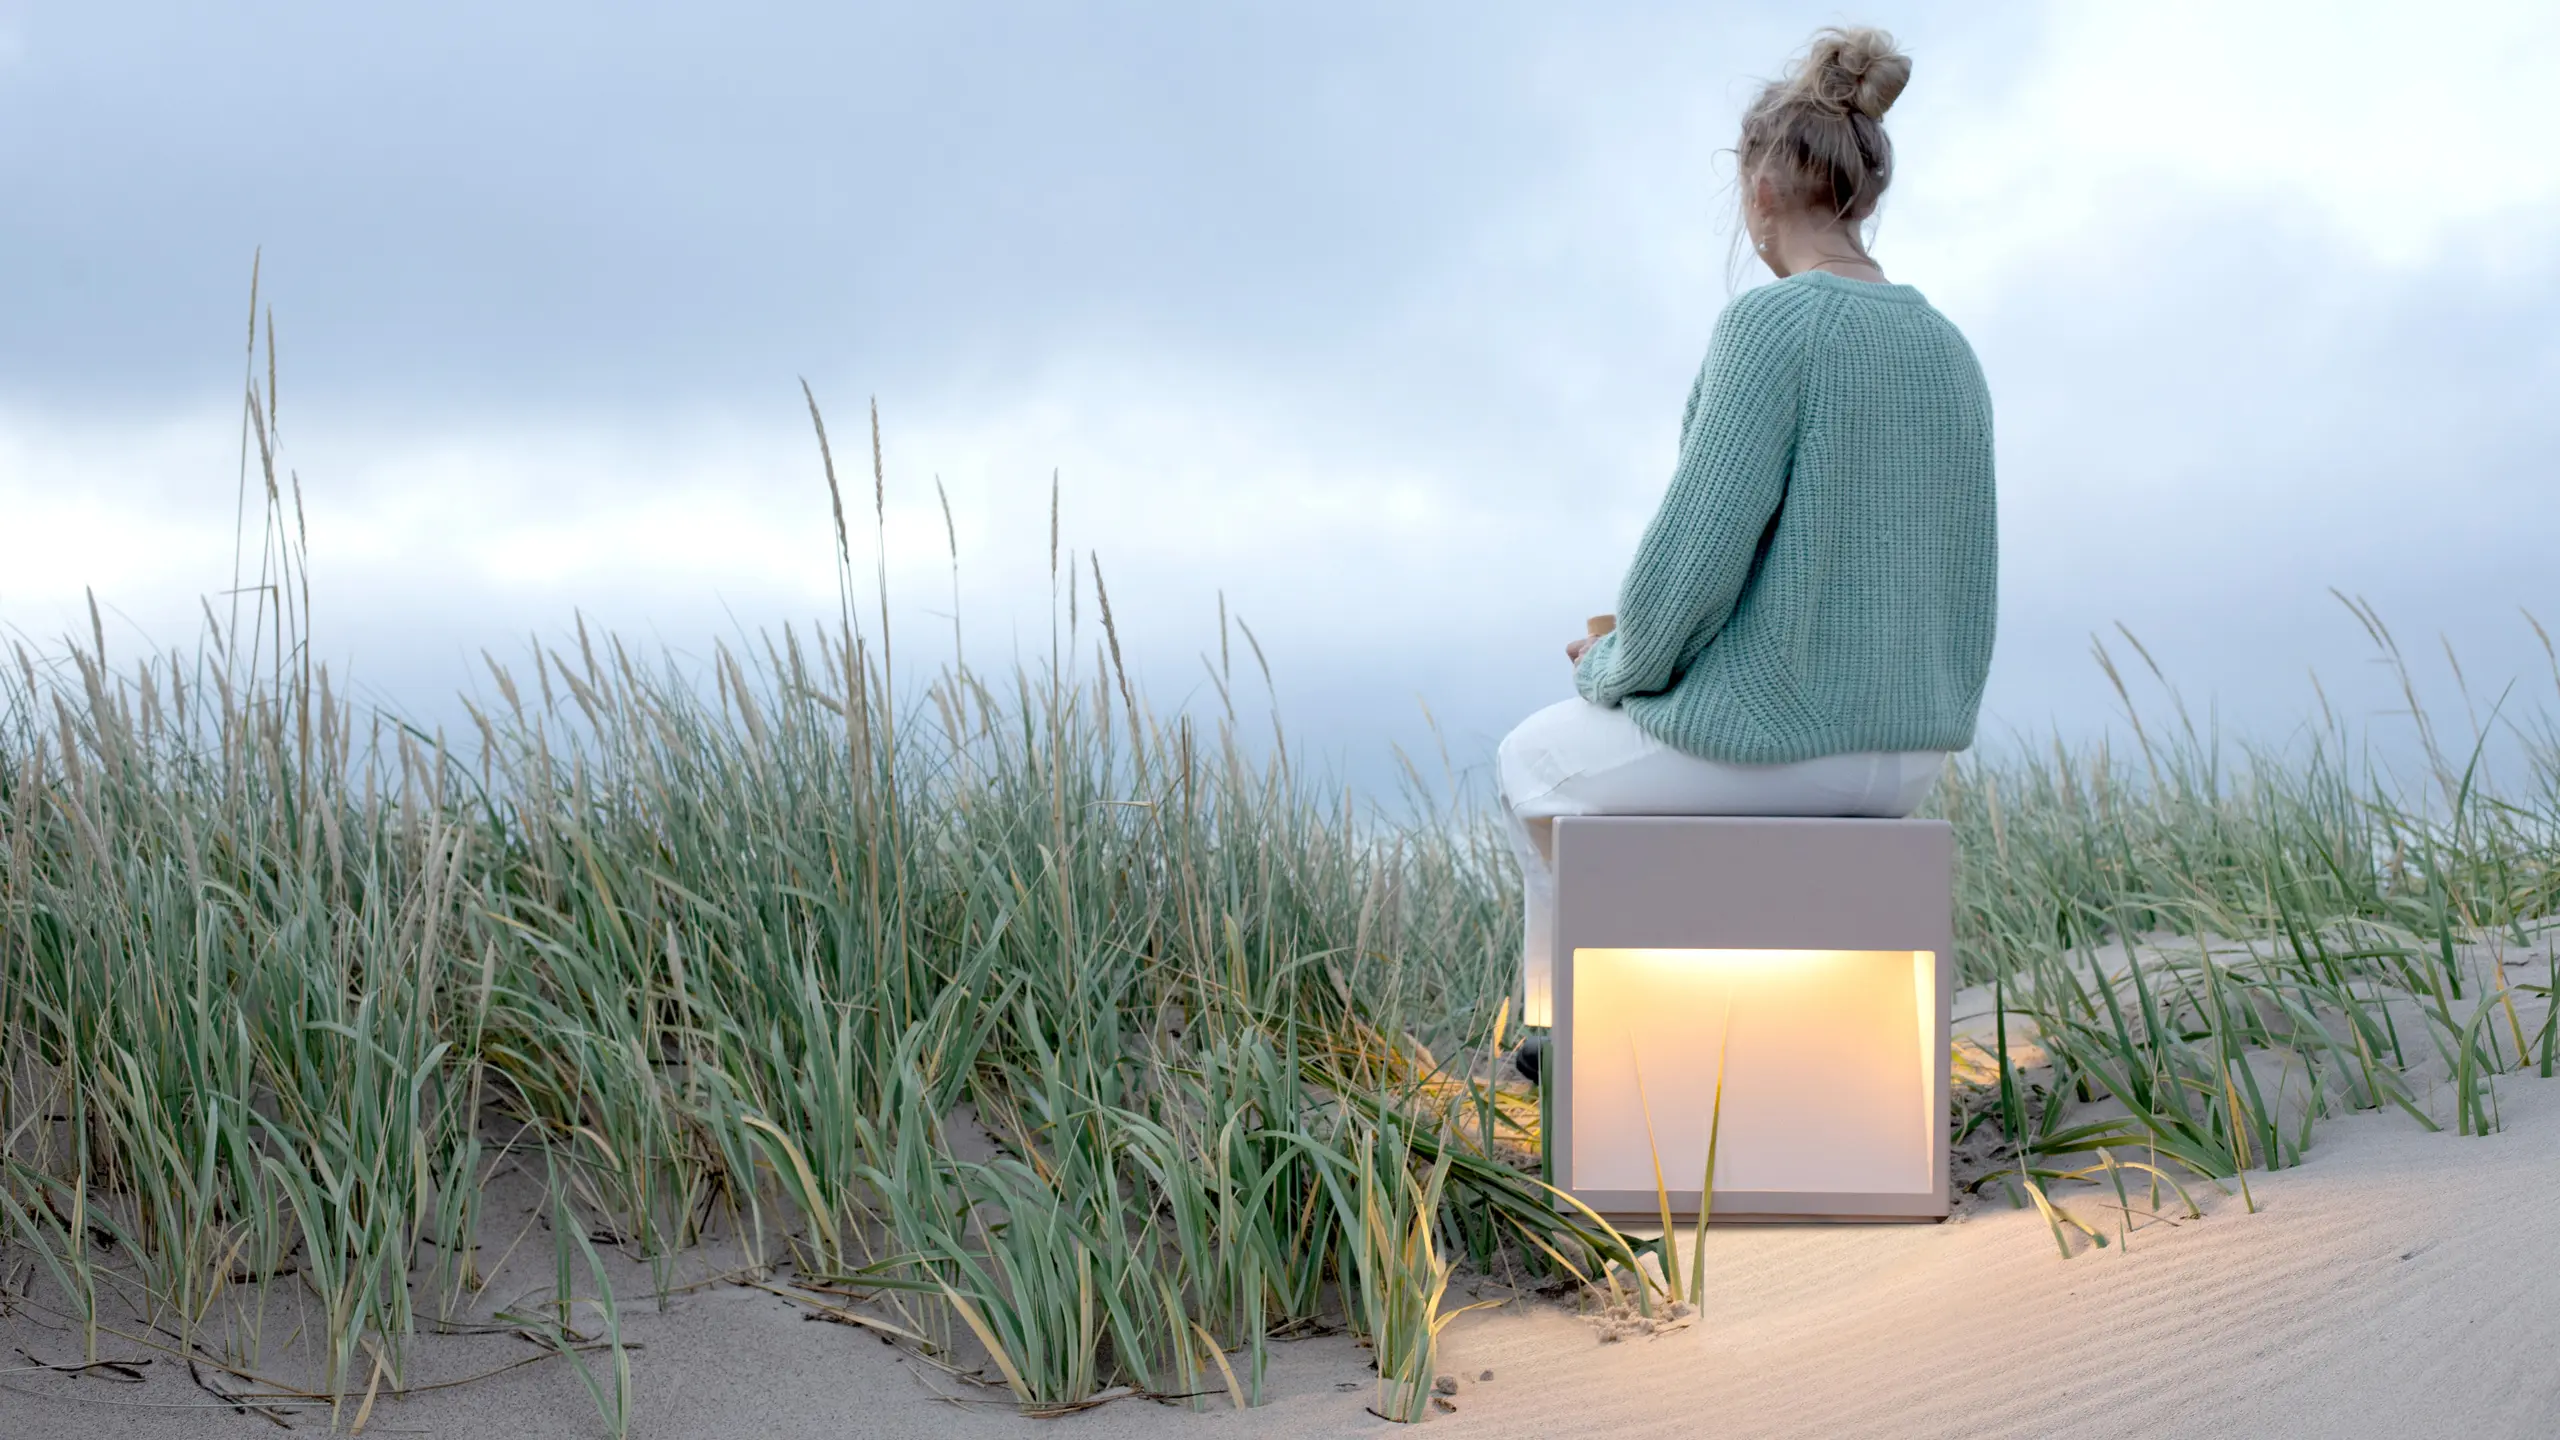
[1597, 626]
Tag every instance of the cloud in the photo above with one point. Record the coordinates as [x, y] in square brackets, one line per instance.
[2368, 129]
[1376, 327]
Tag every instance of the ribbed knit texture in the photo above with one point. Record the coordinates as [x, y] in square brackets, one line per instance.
[1822, 576]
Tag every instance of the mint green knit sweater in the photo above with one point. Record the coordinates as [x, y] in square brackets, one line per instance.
[1822, 575]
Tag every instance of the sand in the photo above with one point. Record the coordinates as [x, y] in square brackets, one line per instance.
[2398, 1283]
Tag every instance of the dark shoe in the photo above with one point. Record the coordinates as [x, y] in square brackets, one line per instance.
[1526, 1059]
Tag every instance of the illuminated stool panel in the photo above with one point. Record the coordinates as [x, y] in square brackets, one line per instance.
[1812, 960]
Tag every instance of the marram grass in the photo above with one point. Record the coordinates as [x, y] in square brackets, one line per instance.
[279, 985]
[1086, 1051]
[2212, 957]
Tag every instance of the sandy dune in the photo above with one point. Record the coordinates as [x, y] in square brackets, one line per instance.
[2398, 1283]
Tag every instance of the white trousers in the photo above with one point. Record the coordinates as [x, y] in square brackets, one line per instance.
[1575, 758]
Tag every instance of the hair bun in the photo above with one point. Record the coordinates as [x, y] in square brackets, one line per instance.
[1855, 69]
[1817, 132]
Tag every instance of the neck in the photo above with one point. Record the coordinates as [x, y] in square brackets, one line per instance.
[1801, 243]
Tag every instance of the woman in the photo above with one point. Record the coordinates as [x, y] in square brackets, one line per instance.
[1808, 619]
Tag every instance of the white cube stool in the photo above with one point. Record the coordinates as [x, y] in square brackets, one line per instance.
[1809, 961]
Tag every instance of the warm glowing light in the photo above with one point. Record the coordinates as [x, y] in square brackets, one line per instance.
[1826, 1057]
[1806, 959]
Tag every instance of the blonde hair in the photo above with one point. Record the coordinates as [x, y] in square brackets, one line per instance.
[1817, 132]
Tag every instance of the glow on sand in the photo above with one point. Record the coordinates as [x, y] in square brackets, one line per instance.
[1826, 1067]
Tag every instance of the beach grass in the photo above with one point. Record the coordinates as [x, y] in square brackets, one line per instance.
[2226, 952]
[1088, 1049]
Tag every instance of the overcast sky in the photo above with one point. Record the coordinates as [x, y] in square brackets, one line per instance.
[1376, 318]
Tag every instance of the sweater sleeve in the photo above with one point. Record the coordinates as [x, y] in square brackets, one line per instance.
[1735, 448]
